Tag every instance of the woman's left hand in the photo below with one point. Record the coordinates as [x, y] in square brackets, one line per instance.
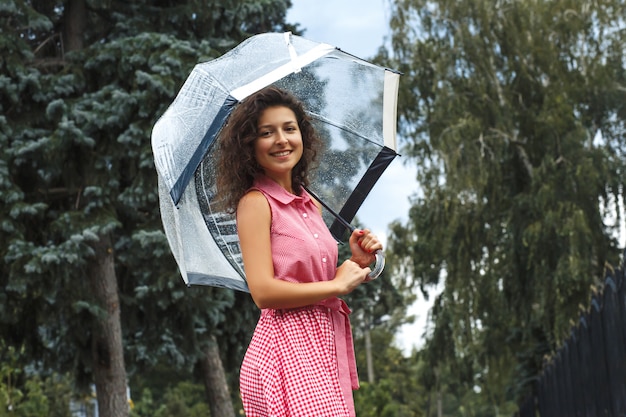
[363, 244]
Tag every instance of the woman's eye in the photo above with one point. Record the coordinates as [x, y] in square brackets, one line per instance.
[265, 133]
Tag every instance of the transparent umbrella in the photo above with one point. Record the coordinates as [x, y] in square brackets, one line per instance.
[353, 106]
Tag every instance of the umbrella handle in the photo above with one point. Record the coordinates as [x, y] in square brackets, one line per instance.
[379, 266]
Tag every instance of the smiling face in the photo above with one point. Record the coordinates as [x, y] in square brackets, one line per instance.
[278, 146]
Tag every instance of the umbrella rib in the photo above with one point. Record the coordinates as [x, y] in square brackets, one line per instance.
[330, 210]
[342, 127]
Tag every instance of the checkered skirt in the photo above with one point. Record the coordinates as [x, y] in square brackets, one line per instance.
[291, 367]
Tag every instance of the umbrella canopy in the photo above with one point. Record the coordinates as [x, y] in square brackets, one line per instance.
[353, 106]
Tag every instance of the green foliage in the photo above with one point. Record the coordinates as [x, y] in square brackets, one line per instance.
[396, 390]
[23, 394]
[500, 105]
[377, 401]
[182, 400]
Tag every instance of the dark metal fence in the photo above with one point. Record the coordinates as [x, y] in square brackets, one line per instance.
[587, 376]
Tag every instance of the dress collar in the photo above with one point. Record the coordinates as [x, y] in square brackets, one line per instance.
[277, 192]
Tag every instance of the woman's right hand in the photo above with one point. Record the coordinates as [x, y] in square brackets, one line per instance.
[349, 276]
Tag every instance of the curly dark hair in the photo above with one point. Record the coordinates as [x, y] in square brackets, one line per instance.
[237, 167]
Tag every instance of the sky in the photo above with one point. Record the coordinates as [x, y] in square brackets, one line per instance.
[360, 27]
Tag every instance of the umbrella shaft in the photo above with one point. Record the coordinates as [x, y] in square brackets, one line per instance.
[331, 211]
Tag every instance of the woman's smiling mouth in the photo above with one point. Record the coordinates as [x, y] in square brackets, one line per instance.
[281, 153]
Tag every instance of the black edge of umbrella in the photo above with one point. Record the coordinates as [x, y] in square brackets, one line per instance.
[179, 187]
[360, 192]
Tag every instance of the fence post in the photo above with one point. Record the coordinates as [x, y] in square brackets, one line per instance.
[586, 377]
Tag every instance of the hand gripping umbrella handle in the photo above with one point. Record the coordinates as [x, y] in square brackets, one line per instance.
[379, 266]
[380, 256]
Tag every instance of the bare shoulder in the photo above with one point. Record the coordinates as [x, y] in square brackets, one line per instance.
[253, 200]
[253, 205]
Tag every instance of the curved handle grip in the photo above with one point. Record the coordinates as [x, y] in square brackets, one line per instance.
[379, 266]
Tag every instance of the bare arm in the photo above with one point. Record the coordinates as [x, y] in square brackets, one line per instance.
[253, 225]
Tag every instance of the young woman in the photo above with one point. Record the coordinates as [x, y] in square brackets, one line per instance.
[300, 361]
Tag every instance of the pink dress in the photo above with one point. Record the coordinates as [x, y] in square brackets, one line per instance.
[300, 361]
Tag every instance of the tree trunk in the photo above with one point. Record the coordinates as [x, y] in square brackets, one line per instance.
[106, 340]
[439, 403]
[215, 382]
[368, 356]
[74, 25]
[439, 396]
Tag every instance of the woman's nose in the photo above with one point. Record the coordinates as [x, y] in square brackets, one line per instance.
[281, 136]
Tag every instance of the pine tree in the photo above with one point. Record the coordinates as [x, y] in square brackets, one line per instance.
[85, 262]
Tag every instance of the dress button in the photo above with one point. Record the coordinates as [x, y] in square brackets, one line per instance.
[324, 260]
[315, 235]
[304, 215]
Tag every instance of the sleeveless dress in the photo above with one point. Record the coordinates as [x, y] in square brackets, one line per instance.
[300, 361]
